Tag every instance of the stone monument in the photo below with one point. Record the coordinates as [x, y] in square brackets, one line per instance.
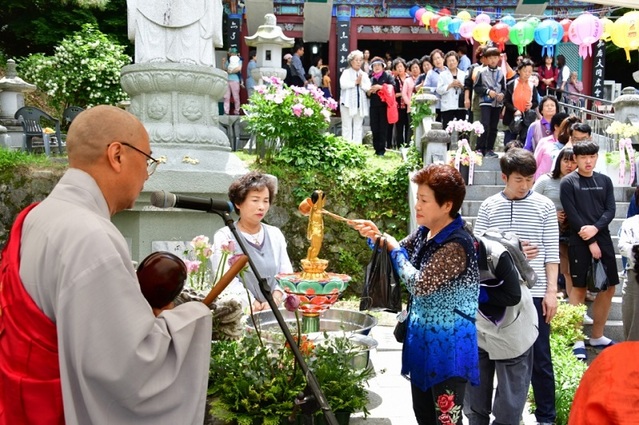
[12, 90]
[175, 89]
[269, 40]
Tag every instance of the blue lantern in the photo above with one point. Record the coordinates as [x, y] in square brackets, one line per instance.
[454, 25]
[548, 34]
[413, 10]
[508, 20]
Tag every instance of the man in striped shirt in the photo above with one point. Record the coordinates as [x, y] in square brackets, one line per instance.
[533, 218]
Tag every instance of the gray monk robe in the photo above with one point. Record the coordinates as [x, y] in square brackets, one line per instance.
[119, 364]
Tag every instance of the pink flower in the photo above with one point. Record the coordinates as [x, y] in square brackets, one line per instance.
[308, 112]
[297, 109]
[228, 248]
[200, 242]
[292, 302]
[192, 266]
[233, 259]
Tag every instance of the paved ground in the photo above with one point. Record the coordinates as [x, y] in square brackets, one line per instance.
[390, 398]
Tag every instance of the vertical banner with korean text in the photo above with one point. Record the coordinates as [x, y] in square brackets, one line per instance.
[234, 22]
[598, 69]
[343, 36]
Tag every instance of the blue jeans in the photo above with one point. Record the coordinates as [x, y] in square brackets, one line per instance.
[543, 376]
[513, 381]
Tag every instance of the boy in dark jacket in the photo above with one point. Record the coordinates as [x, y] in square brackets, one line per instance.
[490, 87]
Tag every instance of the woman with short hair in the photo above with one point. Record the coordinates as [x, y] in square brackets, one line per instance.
[438, 265]
[354, 104]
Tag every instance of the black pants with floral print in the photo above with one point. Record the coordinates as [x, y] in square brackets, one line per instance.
[441, 403]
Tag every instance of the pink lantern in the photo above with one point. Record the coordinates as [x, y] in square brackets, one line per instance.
[466, 31]
[584, 31]
[565, 24]
[419, 13]
[482, 18]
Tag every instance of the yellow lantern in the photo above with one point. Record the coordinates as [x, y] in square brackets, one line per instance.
[464, 16]
[426, 17]
[625, 32]
[481, 32]
[607, 32]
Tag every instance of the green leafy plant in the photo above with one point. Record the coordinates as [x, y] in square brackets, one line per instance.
[249, 380]
[280, 115]
[566, 329]
[419, 109]
[330, 154]
[83, 71]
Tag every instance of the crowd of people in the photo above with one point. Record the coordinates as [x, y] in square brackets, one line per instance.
[489, 90]
[462, 330]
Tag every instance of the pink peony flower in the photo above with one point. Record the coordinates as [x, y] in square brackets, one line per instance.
[298, 108]
[308, 112]
[192, 266]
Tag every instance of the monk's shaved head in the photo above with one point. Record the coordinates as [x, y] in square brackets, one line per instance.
[92, 131]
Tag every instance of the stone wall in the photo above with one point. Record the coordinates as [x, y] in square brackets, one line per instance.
[20, 187]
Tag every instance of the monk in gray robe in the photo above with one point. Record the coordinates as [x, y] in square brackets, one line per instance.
[121, 362]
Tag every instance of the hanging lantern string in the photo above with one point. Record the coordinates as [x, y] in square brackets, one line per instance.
[496, 16]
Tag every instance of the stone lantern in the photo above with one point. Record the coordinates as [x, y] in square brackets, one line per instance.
[12, 90]
[269, 40]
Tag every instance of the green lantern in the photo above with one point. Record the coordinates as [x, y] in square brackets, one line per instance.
[521, 35]
[442, 25]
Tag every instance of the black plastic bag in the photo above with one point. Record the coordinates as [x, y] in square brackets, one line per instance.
[596, 279]
[382, 290]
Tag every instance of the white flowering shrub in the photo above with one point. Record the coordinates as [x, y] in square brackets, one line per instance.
[83, 71]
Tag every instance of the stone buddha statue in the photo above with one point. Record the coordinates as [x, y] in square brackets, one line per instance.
[178, 31]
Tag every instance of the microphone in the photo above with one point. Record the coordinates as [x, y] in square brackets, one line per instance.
[163, 199]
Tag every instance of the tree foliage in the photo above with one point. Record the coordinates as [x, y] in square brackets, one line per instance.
[83, 71]
[32, 26]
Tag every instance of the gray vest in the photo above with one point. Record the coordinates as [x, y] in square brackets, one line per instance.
[264, 259]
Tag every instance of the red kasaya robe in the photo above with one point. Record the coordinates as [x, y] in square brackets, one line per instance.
[30, 389]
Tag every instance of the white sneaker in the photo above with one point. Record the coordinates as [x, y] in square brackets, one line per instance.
[587, 319]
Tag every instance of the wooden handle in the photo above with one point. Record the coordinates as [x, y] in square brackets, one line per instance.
[335, 216]
[226, 279]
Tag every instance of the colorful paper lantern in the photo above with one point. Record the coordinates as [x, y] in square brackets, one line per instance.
[418, 14]
[412, 11]
[454, 25]
[625, 32]
[482, 18]
[464, 16]
[442, 25]
[481, 32]
[607, 29]
[426, 17]
[584, 31]
[547, 35]
[466, 30]
[508, 20]
[521, 35]
[433, 22]
[444, 12]
[499, 34]
[565, 24]
[534, 22]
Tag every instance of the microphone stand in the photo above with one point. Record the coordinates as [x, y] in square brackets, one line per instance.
[316, 400]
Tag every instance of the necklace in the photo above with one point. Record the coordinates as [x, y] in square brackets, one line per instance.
[255, 238]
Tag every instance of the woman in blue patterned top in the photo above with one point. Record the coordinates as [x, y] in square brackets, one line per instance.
[438, 265]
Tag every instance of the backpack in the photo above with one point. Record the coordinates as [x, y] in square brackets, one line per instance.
[511, 243]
